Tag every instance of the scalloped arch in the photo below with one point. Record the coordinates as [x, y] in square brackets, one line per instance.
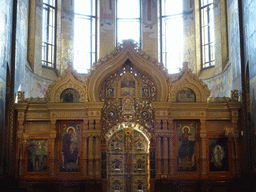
[188, 80]
[69, 80]
[142, 62]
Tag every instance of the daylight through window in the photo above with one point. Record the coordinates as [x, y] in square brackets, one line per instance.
[171, 34]
[128, 20]
[85, 38]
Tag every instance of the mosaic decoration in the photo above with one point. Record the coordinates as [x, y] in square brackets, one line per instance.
[69, 95]
[70, 143]
[218, 154]
[37, 155]
[186, 144]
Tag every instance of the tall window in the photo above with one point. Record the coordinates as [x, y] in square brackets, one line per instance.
[128, 20]
[171, 34]
[85, 38]
[207, 32]
[49, 33]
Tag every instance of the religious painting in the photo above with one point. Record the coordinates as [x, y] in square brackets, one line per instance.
[186, 147]
[110, 92]
[218, 154]
[37, 155]
[145, 115]
[69, 95]
[186, 95]
[111, 115]
[128, 87]
[145, 92]
[70, 143]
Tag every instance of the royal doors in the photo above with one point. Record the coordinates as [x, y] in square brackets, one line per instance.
[128, 161]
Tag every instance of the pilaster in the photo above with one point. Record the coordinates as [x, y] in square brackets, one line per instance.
[203, 134]
[52, 147]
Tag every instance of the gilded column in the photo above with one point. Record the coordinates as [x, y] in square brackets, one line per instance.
[236, 135]
[90, 155]
[51, 147]
[85, 155]
[172, 161]
[20, 146]
[97, 156]
[165, 155]
[158, 157]
[203, 148]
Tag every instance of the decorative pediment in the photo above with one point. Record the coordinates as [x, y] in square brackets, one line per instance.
[187, 87]
[69, 87]
[115, 61]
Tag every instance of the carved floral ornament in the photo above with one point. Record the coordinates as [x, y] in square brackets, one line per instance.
[128, 125]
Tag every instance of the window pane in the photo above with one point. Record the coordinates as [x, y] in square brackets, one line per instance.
[172, 35]
[128, 9]
[48, 33]
[206, 2]
[128, 29]
[207, 32]
[84, 35]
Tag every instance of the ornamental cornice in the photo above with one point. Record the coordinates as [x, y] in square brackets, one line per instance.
[182, 114]
[163, 133]
[92, 133]
[68, 114]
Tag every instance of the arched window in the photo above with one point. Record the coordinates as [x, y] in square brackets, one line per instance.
[85, 34]
[49, 33]
[171, 34]
[128, 20]
[207, 33]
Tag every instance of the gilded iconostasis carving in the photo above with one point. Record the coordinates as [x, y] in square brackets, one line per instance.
[128, 95]
[126, 124]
